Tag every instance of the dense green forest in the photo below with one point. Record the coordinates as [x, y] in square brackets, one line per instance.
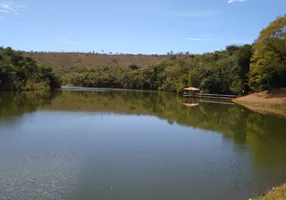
[22, 73]
[236, 70]
[219, 72]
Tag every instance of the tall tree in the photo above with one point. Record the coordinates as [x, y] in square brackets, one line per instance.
[240, 70]
[268, 64]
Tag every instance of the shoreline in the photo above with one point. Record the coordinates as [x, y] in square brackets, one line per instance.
[262, 102]
[277, 193]
[277, 109]
[273, 102]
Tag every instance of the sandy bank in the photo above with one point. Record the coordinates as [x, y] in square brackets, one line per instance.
[265, 102]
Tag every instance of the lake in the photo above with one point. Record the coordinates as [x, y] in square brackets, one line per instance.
[85, 144]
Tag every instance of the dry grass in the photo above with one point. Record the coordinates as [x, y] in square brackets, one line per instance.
[74, 61]
[276, 194]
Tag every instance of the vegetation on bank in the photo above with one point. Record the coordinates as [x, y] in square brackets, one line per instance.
[268, 63]
[276, 194]
[22, 73]
[219, 72]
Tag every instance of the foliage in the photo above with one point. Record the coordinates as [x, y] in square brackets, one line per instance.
[22, 73]
[218, 72]
[133, 66]
[241, 69]
[268, 64]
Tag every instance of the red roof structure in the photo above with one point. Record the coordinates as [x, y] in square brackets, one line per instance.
[192, 89]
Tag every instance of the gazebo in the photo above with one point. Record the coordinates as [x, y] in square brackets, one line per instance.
[189, 90]
[191, 104]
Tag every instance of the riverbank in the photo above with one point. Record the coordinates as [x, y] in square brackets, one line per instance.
[265, 102]
[278, 193]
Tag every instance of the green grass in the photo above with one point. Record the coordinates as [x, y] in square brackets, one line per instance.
[276, 194]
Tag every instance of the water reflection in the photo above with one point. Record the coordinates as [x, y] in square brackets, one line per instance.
[18, 103]
[254, 137]
[236, 122]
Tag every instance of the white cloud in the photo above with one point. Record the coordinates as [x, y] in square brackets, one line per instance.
[199, 39]
[11, 8]
[233, 1]
[8, 8]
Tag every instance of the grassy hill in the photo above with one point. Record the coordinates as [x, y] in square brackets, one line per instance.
[72, 62]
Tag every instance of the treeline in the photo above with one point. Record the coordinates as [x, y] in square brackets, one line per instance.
[235, 70]
[22, 73]
[220, 72]
[108, 53]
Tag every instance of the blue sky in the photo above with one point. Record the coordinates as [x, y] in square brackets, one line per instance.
[134, 26]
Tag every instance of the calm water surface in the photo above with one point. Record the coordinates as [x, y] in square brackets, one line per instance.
[123, 145]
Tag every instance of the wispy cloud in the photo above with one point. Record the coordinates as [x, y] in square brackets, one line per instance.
[199, 39]
[233, 1]
[4, 11]
[11, 8]
[194, 14]
[7, 8]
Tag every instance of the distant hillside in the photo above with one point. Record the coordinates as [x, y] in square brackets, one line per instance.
[71, 62]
